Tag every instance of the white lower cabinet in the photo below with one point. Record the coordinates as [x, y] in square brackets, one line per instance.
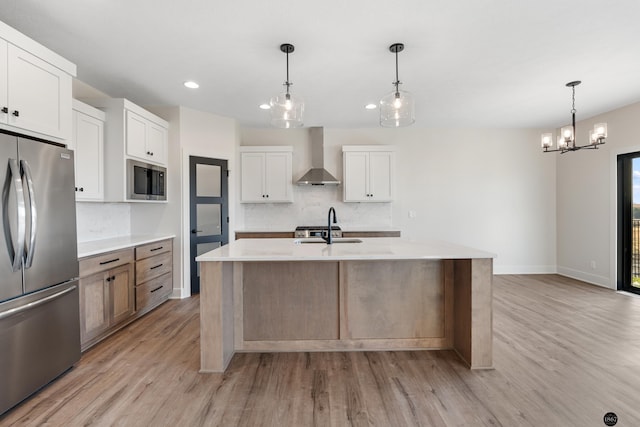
[368, 173]
[88, 144]
[266, 174]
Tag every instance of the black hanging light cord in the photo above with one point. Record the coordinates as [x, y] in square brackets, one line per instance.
[395, 48]
[573, 85]
[287, 48]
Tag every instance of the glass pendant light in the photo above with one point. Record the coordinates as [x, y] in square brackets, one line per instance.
[286, 108]
[397, 107]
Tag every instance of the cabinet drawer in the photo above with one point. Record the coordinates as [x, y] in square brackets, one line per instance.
[95, 264]
[149, 268]
[153, 249]
[152, 292]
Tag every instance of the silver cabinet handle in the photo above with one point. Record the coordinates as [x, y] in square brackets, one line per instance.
[34, 304]
[34, 214]
[17, 184]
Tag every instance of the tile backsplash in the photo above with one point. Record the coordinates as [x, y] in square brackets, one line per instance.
[96, 221]
[310, 207]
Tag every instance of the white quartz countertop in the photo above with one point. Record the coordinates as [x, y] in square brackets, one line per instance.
[96, 247]
[369, 249]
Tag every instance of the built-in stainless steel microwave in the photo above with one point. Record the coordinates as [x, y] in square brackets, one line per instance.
[146, 181]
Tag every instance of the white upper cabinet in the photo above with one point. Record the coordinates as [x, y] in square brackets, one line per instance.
[88, 143]
[266, 174]
[146, 140]
[368, 173]
[131, 132]
[35, 88]
[4, 82]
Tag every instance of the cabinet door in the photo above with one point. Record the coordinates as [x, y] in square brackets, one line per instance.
[156, 143]
[121, 293]
[94, 306]
[277, 177]
[88, 138]
[381, 173]
[252, 179]
[40, 96]
[4, 102]
[136, 136]
[356, 171]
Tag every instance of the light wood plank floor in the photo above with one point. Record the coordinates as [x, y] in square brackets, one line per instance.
[565, 353]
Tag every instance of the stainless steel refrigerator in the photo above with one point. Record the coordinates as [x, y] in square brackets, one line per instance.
[39, 303]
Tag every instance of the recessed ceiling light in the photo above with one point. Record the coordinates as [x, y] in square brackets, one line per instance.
[191, 85]
[371, 106]
[265, 106]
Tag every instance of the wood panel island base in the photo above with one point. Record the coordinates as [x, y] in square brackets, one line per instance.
[271, 295]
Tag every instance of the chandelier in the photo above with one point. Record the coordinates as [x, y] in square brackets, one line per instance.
[286, 108]
[566, 140]
[396, 108]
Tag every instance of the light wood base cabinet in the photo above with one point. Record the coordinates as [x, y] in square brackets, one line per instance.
[106, 294]
[154, 274]
[350, 305]
[118, 287]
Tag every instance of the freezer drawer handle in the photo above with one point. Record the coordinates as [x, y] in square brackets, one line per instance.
[34, 304]
[156, 249]
[156, 289]
[155, 266]
[18, 252]
[110, 261]
[31, 249]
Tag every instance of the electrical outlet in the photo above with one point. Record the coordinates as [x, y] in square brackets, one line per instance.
[593, 265]
[412, 214]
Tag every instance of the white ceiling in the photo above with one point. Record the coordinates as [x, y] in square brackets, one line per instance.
[469, 63]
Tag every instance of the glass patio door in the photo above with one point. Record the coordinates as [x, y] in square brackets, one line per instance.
[629, 222]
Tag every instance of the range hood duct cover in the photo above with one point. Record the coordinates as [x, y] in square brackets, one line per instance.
[317, 175]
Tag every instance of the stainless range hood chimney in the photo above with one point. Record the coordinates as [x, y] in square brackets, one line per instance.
[317, 175]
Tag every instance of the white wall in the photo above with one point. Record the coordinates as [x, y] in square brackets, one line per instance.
[587, 191]
[488, 188]
[204, 135]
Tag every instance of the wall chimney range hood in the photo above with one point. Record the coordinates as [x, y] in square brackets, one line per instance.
[317, 175]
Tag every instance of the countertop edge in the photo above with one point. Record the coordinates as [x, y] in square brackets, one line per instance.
[97, 247]
[393, 248]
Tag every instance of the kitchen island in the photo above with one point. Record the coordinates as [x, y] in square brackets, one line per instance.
[266, 295]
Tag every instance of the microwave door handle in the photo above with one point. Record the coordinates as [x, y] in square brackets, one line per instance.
[18, 252]
[33, 214]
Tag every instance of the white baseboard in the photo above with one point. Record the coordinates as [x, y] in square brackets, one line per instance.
[594, 279]
[525, 269]
[179, 294]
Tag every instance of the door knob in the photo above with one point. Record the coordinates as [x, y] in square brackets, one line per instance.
[5, 110]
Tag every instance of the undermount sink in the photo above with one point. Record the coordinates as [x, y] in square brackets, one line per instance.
[334, 240]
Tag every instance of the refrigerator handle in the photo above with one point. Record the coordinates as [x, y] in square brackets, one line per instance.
[18, 252]
[31, 249]
[31, 305]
